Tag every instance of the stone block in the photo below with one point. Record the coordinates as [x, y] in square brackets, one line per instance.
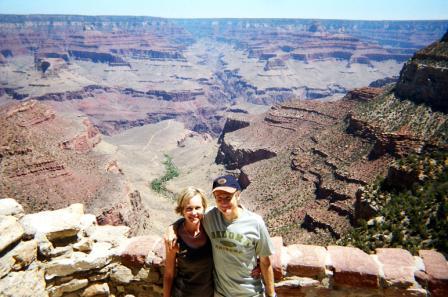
[276, 259]
[96, 290]
[437, 270]
[306, 260]
[121, 274]
[57, 224]
[22, 255]
[10, 231]
[115, 235]
[83, 245]
[136, 249]
[292, 286]
[71, 286]
[32, 284]
[352, 267]
[10, 207]
[156, 257]
[61, 251]
[404, 292]
[6, 263]
[422, 278]
[100, 256]
[87, 221]
[398, 267]
[44, 245]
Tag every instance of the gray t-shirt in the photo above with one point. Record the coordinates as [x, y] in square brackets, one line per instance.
[236, 246]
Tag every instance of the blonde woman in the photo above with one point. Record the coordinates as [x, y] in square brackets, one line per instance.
[189, 263]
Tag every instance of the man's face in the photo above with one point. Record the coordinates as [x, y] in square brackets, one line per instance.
[225, 201]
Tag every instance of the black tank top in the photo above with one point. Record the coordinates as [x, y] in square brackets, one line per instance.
[194, 271]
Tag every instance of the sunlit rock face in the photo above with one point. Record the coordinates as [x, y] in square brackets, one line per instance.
[424, 79]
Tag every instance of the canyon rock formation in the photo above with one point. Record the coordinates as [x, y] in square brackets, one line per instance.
[47, 162]
[89, 106]
[319, 155]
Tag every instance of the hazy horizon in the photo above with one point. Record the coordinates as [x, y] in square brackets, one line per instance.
[381, 10]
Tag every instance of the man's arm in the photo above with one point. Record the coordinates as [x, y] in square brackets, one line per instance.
[268, 275]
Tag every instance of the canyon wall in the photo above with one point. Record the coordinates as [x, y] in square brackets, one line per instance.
[66, 253]
[314, 158]
[262, 61]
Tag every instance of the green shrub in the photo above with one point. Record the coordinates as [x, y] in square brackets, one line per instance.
[412, 218]
[171, 171]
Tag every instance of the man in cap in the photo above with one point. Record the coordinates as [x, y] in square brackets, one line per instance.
[238, 237]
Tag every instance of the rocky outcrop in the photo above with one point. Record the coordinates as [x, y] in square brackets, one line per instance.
[274, 64]
[233, 157]
[313, 93]
[130, 213]
[379, 83]
[46, 162]
[65, 251]
[85, 92]
[398, 144]
[85, 141]
[324, 153]
[363, 94]
[153, 54]
[29, 114]
[175, 96]
[14, 93]
[233, 124]
[424, 78]
[237, 87]
[308, 160]
[96, 57]
[77, 257]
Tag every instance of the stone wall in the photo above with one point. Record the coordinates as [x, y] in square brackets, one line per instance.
[66, 253]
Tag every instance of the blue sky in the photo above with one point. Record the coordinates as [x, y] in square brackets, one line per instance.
[322, 9]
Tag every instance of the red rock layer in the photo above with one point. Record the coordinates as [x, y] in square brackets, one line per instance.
[44, 170]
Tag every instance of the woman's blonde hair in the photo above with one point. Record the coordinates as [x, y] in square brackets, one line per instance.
[186, 194]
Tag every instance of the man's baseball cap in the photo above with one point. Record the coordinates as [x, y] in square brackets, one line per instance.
[226, 183]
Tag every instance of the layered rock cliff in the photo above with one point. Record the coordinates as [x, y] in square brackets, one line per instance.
[324, 152]
[423, 78]
[98, 39]
[46, 162]
[278, 49]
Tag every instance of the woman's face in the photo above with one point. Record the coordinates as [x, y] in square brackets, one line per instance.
[194, 210]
